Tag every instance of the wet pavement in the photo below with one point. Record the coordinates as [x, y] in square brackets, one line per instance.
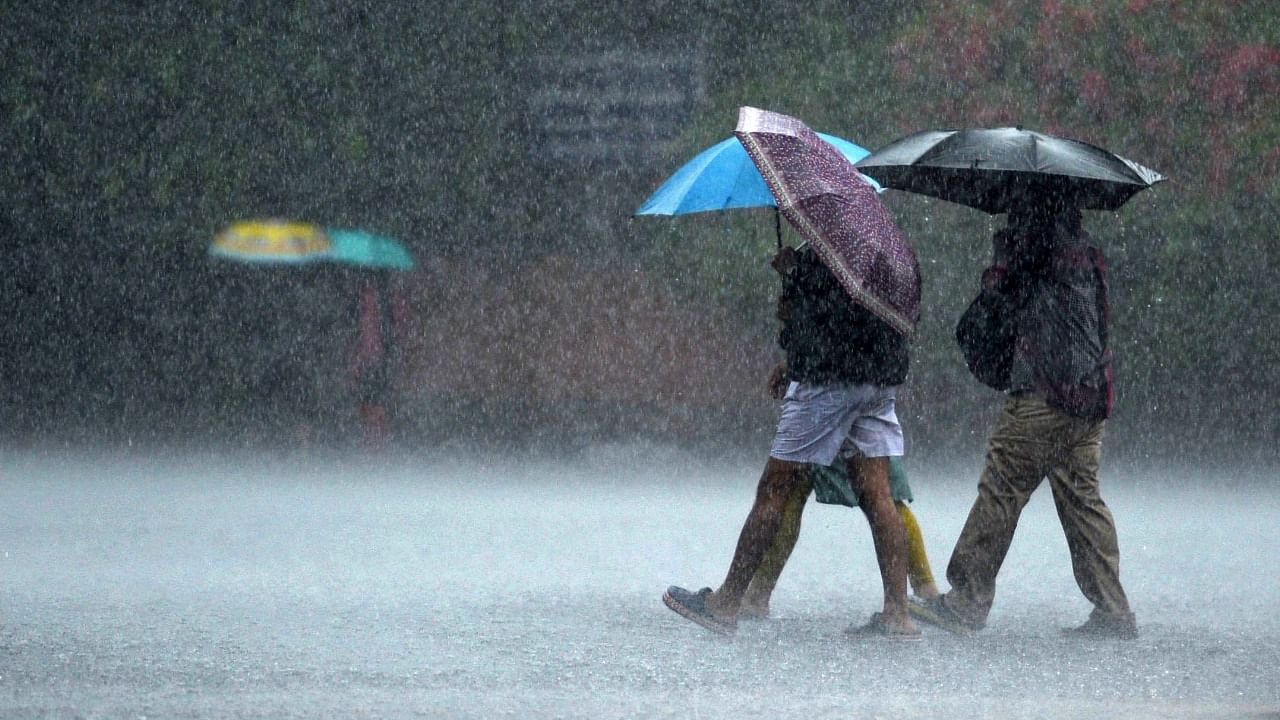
[201, 586]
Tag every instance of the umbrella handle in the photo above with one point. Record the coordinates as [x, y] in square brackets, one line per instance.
[777, 224]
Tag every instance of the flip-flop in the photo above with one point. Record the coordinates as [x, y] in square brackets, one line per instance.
[876, 628]
[693, 606]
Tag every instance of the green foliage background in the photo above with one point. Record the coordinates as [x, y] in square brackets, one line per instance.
[134, 131]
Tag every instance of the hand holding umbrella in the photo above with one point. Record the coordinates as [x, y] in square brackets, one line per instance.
[785, 260]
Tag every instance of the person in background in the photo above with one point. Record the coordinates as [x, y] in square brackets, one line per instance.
[379, 320]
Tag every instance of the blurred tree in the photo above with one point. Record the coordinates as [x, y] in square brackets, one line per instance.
[135, 131]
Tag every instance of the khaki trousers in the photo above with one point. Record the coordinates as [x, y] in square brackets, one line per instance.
[1033, 441]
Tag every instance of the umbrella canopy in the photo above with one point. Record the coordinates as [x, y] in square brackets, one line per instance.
[284, 242]
[841, 216]
[272, 242]
[358, 247]
[722, 177]
[991, 169]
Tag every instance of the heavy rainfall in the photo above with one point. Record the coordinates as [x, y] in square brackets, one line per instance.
[343, 378]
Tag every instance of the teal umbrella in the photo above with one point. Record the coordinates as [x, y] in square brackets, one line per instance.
[358, 247]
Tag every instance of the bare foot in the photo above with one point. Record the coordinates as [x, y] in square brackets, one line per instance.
[900, 623]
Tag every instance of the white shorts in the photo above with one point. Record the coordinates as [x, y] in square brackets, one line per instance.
[822, 422]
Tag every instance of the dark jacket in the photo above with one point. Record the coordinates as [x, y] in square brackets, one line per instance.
[828, 338]
[1040, 323]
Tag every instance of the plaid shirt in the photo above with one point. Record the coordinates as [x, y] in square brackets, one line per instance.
[1061, 349]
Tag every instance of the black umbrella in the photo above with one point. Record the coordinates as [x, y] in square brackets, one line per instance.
[993, 168]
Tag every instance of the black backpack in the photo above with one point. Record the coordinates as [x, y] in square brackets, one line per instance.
[986, 334]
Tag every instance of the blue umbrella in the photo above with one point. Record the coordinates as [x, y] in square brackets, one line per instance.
[722, 177]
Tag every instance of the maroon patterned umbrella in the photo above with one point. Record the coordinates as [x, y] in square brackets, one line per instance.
[840, 214]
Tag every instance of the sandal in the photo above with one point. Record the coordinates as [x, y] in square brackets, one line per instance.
[693, 606]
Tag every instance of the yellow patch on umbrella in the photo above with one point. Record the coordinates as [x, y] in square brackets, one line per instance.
[272, 240]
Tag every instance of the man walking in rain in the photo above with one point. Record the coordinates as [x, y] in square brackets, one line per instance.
[844, 365]
[1038, 331]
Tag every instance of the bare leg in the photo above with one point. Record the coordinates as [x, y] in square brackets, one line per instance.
[777, 483]
[756, 601]
[888, 535]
